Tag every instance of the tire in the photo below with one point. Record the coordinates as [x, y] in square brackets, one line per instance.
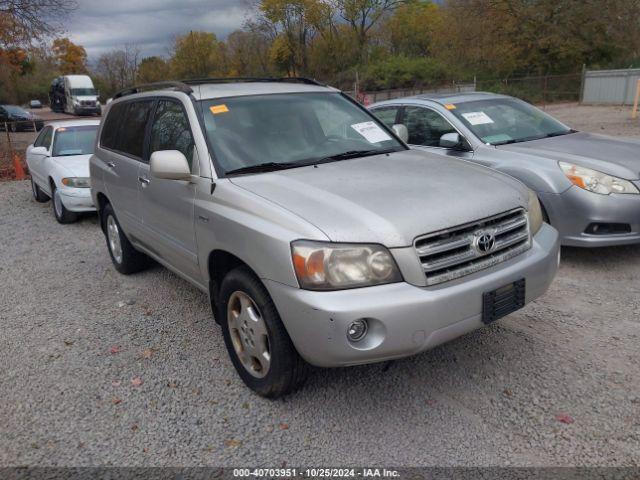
[61, 213]
[124, 256]
[284, 371]
[14, 127]
[38, 194]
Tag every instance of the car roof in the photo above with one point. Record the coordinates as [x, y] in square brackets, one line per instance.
[222, 90]
[446, 98]
[72, 123]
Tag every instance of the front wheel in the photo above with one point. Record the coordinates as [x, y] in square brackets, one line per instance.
[124, 256]
[258, 344]
[38, 194]
[59, 210]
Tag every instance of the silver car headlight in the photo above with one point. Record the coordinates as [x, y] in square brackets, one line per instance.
[597, 182]
[535, 213]
[77, 182]
[337, 266]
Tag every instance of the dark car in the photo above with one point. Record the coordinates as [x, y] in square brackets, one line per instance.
[17, 119]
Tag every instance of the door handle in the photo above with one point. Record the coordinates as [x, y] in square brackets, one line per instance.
[144, 181]
[111, 164]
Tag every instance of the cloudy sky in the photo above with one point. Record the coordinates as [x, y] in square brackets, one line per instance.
[101, 25]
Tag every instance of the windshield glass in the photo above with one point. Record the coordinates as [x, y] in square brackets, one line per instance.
[507, 120]
[74, 140]
[15, 110]
[290, 129]
[83, 91]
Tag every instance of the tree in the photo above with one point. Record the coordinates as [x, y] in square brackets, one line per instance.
[117, 69]
[152, 69]
[23, 22]
[248, 52]
[362, 16]
[197, 55]
[410, 30]
[70, 58]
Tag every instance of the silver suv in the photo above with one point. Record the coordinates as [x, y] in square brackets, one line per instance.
[320, 237]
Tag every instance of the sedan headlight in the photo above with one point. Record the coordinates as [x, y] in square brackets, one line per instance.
[77, 182]
[337, 266]
[535, 213]
[597, 182]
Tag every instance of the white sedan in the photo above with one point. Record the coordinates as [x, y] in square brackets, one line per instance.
[59, 165]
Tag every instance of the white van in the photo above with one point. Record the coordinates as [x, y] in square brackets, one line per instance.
[74, 94]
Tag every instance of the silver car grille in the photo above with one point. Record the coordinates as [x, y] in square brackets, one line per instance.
[88, 103]
[460, 251]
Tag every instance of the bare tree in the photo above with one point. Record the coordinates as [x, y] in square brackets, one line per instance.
[117, 69]
[24, 21]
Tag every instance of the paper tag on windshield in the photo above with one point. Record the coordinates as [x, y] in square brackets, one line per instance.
[371, 132]
[477, 118]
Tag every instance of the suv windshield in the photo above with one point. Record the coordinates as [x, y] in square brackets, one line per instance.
[83, 91]
[74, 140]
[507, 120]
[288, 130]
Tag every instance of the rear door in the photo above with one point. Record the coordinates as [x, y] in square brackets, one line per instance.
[168, 205]
[122, 150]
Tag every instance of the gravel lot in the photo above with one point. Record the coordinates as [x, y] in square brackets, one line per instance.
[557, 383]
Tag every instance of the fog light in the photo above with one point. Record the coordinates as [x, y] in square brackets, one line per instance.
[357, 330]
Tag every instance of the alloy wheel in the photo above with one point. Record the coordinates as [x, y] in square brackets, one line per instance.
[249, 334]
[113, 235]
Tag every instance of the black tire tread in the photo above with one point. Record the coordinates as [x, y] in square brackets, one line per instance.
[133, 261]
[293, 370]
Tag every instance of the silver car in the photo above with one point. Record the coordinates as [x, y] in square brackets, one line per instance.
[588, 184]
[320, 237]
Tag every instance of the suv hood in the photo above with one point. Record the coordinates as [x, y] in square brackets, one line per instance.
[611, 155]
[389, 199]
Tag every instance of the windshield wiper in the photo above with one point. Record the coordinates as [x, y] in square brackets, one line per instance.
[349, 154]
[263, 167]
[559, 134]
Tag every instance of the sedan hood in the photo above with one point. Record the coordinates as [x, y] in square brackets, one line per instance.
[73, 165]
[614, 156]
[389, 199]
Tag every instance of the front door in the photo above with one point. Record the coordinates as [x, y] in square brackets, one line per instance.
[168, 205]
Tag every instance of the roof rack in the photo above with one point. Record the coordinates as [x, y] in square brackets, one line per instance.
[183, 86]
[179, 86]
[201, 81]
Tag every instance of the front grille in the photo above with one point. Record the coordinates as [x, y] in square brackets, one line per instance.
[88, 103]
[462, 250]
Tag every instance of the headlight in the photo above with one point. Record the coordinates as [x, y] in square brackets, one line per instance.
[535, 213]
[596, 182]
[77, 182]
[337, 266]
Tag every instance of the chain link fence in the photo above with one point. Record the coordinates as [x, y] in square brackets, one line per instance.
[14, 140]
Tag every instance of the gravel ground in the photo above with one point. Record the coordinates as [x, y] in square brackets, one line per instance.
[103, 369]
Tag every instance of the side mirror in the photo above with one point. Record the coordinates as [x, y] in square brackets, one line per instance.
[401, 131]
[40, 151]
[170, 165]
[451, 140]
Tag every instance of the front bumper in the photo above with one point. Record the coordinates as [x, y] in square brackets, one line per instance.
[87, 110]
[404, 319]
[77, 199]
[572, 211]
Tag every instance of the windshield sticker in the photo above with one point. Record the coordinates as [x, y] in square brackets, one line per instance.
[371, 132]
[216, 109]
[450, 106]
[501, 137]
[477, 118]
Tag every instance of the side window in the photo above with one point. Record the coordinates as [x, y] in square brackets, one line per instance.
[170, 130]
[46, 139]
[111, 126]
[40, 140]
[388, 115]
[131, 136]
[425, 126]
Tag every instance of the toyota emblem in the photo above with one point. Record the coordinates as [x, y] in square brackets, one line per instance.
[485, 242]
